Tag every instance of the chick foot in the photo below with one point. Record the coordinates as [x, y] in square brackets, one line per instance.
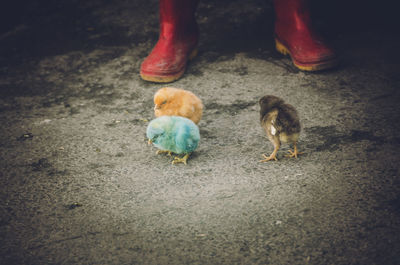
[181, 160]
[159, 152]
[294, 153]
[269, 158]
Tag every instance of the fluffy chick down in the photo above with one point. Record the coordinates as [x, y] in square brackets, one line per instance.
[170, 101]
[281, 124]
[174, 134]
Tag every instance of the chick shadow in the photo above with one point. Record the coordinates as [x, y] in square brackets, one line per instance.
[329, 138]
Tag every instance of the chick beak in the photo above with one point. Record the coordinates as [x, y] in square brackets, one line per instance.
[156, 107]
[149, 142]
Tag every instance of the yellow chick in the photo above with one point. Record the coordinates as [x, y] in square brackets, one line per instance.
[170, 101]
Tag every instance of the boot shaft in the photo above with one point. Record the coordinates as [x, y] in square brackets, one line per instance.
[295, 13]
[177, 18]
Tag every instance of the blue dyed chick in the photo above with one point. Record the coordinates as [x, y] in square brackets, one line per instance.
[174, 134]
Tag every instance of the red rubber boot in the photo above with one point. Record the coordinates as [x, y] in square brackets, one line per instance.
[294, 36]
[176, 44]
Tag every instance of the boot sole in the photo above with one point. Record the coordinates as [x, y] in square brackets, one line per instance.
[170, 77]
[310, 67]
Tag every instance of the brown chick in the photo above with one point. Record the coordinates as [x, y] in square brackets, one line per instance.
[281, 123]
[171, 101]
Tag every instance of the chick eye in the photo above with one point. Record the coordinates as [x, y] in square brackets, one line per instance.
[162, 103]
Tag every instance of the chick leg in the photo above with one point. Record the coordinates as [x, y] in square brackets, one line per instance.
[295, 152]
[277, 143]
[181, 160]
[163, 152]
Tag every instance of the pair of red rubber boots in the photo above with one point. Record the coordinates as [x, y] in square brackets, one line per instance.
[177, 43]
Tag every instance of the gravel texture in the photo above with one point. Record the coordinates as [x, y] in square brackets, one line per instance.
[80, 185]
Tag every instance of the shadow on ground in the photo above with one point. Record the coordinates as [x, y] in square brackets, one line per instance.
[80, 185]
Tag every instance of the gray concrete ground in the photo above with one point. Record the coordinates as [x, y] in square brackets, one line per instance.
[79, 184]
